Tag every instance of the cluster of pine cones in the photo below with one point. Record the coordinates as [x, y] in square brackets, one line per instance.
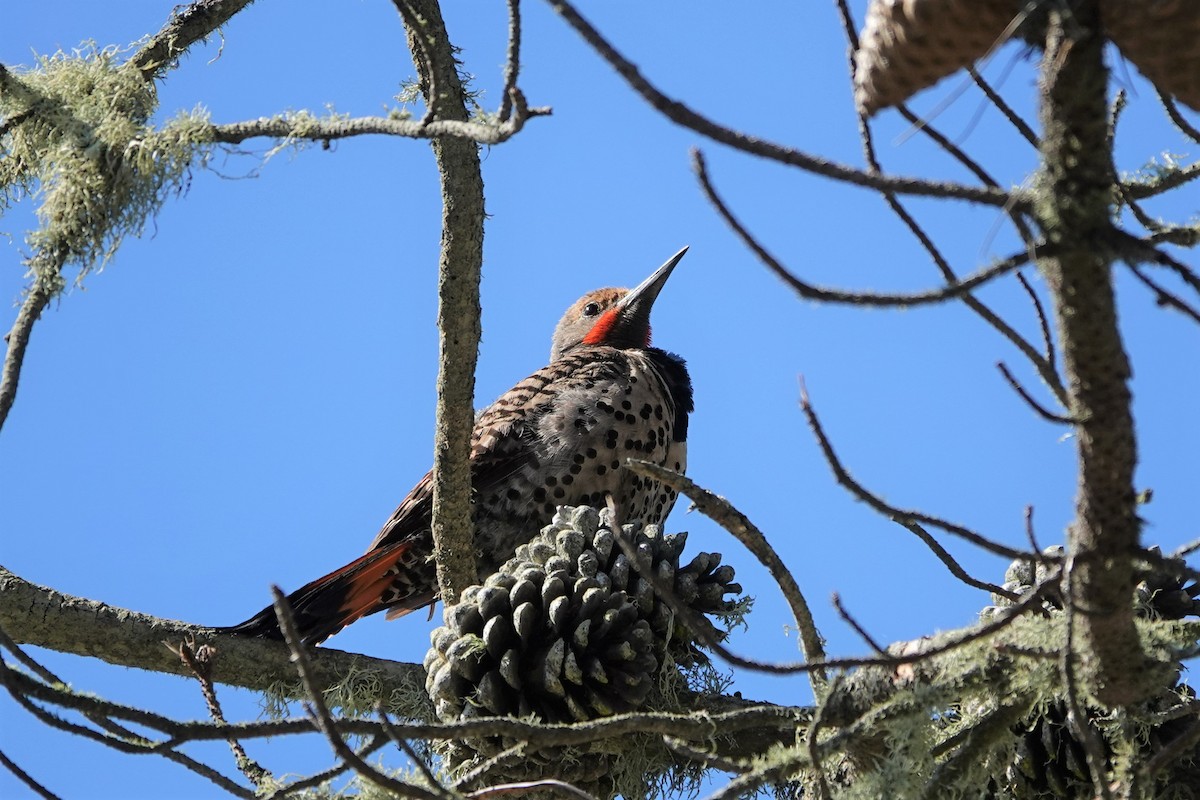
[1049, 761]
[569, 629]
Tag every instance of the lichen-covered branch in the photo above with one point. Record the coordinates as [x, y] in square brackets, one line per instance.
[187, 25]
[37, 615]
[1074, 207]
[459, 268]
[303, 126]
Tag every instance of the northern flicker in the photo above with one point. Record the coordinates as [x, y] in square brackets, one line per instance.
[559, 437]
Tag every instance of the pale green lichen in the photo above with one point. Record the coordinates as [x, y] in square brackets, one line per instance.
[78, 140]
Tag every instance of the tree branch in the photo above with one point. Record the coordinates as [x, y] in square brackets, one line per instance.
[955, 290]
[1074, 206]
[292, 127]
[187, 25]
[37, 615]
[680, 114]
[458, 315]
[18, 340]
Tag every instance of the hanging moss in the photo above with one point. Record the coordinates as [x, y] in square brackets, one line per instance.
[77, 139]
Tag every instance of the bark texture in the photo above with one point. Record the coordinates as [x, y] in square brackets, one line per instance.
[459, 270]
[1074, 204]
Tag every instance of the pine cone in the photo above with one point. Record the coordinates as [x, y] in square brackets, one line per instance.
[1165, 593]
[1049, 761]
[908, 45]
[1162, 37]
[567, 629]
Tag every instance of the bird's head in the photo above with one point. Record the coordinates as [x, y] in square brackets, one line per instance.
[612, 317]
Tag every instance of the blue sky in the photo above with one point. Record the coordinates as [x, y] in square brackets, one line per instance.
[243, 395]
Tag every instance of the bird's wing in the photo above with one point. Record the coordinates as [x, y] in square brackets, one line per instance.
[505, 438]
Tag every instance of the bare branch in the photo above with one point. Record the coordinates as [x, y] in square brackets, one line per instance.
[1077, 180]
[891, 512]
[1030, 534]
[512, 60]
[320, 712]
[724, 514]
[17, 340]
[199, 661]
[956, 289]
[1041, 410]
[1043, 320]
[955, 568]
[1162, 296]
[999, 102]
[680, 114]
[1177, 117]
[25, 778]
[853, 623]
[417, 761]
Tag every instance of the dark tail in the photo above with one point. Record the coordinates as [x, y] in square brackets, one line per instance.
[376, 581]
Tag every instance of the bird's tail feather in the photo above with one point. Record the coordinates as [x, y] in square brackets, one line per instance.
[323, 607]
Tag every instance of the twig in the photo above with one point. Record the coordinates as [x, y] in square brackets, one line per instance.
[698, 623]
[971, 743]
[26, 779]
[724, 514]
[104, 720]
[481, 770]
[1152, 187]
[892, 512]
[1162, 296]
[322, 777]
[812, 738]
[1004, 108]
[1045, 367]
[1177, 117]
[956, 288]
[512, 61]
[187, 25]
[1185, 273]
[416, 27]
[18, 340]
[1043, 318]
[1186, 549]
[955, 568]
[1029, 532]
[320, 712]
[199, 661]
[682, 115]
[853, 623]
[416, 760]
[21, 688]
[1041, 410]
[1168, 753]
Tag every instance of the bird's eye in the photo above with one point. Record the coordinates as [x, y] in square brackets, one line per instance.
[591, 309]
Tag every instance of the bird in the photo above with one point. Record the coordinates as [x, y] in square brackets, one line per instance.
[559, 437]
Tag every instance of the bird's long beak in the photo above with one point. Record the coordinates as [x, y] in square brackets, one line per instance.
[637, 304]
